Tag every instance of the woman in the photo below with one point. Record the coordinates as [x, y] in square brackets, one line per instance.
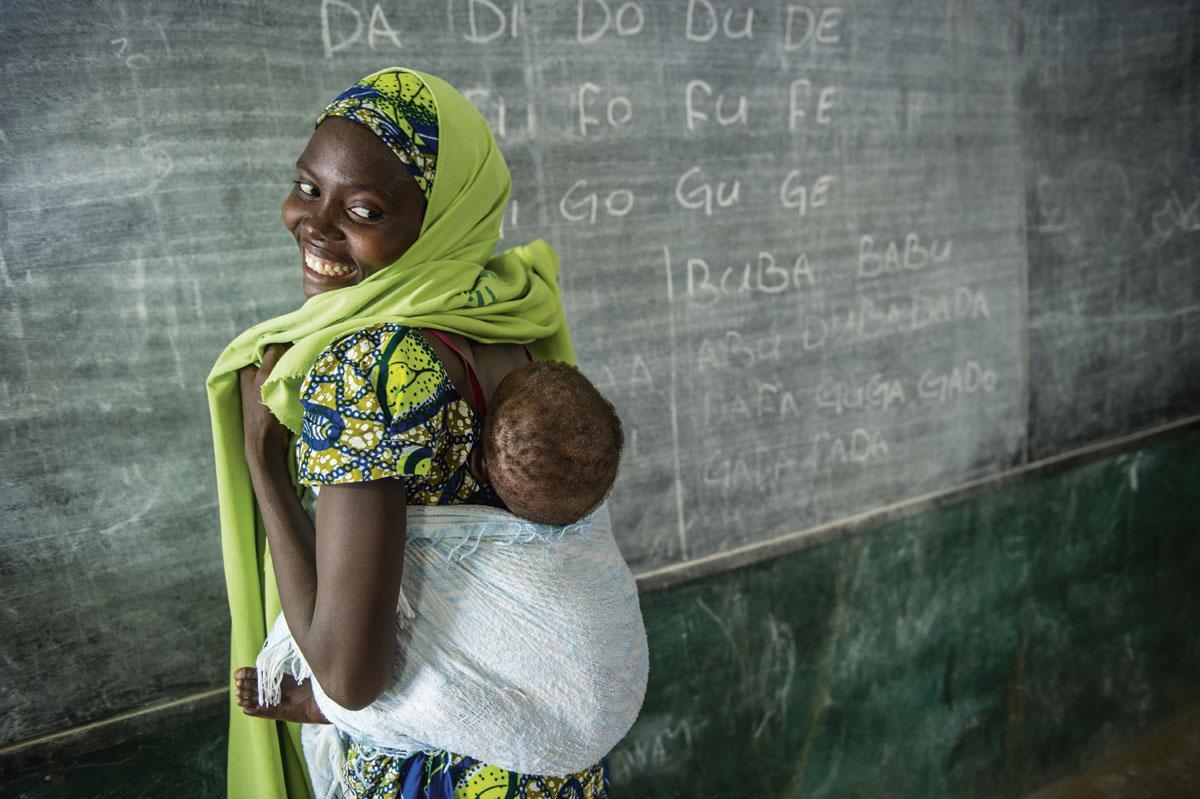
[396, 209]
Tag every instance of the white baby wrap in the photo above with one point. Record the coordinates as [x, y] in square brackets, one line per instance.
[519, 644]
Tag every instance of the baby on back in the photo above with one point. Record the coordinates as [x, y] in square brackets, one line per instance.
[550, 449]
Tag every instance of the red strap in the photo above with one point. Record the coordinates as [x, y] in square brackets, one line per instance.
[476, 389]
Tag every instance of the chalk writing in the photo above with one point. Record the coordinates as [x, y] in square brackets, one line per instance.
[760, 469]
[795, 194]
[336, 15]
[969, 378]
[704, 22]
[663, 750]
[618, 110]
[1174, 217]
[632, 375]
[908, 313]
[493, 108]
[805, 27]
[861, 445]
[705, 285]
[876, 393]
[892, 258]
[509, 220]
[735, 351]
[697, 92]
[580, 206]
[691, 191]
[765, 401]
[803, 97]
[487, 21]
[131, 59]
[627, 20]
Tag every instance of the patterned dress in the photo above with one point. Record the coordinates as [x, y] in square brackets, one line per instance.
[378, 403]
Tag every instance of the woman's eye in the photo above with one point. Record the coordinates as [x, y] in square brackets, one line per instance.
[363, 212]
[305, 188]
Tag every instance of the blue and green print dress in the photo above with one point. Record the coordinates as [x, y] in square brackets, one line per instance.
[378, 403]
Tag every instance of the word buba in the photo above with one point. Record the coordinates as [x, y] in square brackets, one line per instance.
[706, 286]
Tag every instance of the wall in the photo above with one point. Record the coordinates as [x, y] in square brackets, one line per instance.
[978, 646]
[1054, 144]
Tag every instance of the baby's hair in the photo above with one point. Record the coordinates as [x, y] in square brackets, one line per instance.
[552, 443]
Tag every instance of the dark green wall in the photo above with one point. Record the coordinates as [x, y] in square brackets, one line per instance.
[977, 649]
[971, 650]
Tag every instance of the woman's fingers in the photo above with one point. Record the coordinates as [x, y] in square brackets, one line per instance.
[271, 357]
[247, 375]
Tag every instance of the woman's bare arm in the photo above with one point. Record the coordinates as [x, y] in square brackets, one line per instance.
[338, 584]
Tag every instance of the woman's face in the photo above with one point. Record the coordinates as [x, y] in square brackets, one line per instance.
[354, 208]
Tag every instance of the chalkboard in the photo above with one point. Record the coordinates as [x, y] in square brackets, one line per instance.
[822, 257]
[1114, 218]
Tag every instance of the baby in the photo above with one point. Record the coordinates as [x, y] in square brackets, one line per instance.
[551, 444]
[550, 449]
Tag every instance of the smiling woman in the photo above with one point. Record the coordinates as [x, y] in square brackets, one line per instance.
[396, 208]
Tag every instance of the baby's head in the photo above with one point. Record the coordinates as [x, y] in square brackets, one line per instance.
[551, 443]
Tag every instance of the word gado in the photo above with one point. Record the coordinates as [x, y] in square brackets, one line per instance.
[960, 381]
[879, 393]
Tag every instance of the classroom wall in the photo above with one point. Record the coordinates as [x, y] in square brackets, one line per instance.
[897, 522]
[979, 646]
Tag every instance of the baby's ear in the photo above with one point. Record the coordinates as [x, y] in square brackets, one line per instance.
[477, 464]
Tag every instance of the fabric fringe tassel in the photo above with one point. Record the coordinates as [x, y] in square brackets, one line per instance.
[404, 610]
[278, 655]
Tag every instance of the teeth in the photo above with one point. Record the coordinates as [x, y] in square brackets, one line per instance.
[323, 267]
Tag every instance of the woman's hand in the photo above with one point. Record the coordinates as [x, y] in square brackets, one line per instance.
[266, 439]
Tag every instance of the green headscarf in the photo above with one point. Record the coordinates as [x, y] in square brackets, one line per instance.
[448, 280]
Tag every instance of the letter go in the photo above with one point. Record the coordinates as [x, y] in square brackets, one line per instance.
[577, 206]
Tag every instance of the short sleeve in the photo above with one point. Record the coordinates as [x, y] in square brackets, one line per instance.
[371, 408]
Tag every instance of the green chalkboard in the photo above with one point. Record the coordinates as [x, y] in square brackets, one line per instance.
[797, 254]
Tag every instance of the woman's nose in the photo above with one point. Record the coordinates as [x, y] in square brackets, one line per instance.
[320, 225]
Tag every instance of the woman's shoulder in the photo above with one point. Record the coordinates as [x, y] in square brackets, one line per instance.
[391, 361]
[370, 351]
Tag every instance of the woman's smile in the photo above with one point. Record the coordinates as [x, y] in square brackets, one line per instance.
[327, 272]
